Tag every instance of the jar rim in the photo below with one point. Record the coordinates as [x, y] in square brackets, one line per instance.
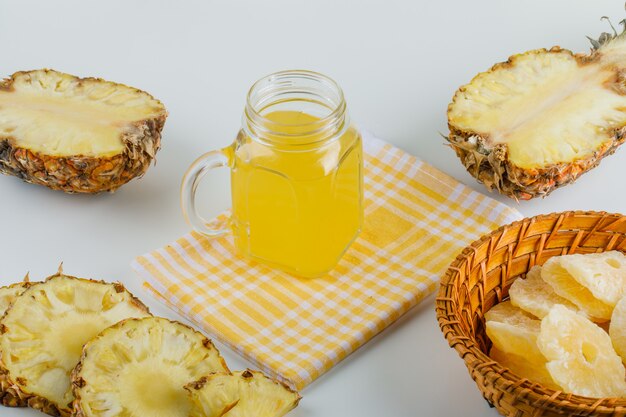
[271, 83]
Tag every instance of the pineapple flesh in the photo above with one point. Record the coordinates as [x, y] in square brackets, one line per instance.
[139, 367]
[9, 396]
[43, 333]
[541, 119]
[581, 358]
[241, 394]
[73, 134]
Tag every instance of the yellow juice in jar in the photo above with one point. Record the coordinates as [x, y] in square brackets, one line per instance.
[297, 205]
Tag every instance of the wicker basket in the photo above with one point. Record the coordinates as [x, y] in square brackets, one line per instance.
[481, 276]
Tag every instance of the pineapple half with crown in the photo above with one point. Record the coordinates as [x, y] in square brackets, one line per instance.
[241, 394]
[9, 395]
[542, 118]
[78, 135]
[42, 335]
[139, 368]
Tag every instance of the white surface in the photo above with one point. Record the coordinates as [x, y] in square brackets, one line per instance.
[399, 63]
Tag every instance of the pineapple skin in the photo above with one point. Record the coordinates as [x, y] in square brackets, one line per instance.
[77, 382]
[10, 394]
[15, 394]
[491, 166]
[79, 173]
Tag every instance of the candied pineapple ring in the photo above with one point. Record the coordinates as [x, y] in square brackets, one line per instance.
[567, 287]
[536, 296]
[580, 355]
[512, 330]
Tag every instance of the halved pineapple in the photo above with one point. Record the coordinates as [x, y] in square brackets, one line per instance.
[42, 335]
[581, 358]
[139, 367]
[604, 274]
[567, 287]
[542, 118]
[9, 396]
[512, 330]
[617, 329]
[241, 394]
[525, 368]
[82, 135]
[535, 296]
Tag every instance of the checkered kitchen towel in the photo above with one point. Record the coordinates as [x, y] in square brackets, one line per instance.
[417, 219]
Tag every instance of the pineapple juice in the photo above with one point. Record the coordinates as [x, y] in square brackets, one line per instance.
[296, 206]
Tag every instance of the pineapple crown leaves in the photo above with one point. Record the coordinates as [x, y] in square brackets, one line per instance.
[606, 37]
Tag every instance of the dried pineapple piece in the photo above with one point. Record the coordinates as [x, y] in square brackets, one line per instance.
[8, 395]
[78, 135]
[567, 287]
[139, 367]
[536, 296]
[617, 328]
[42, 335]
[580, 355]
[604, 274]
[242, 394]
[512, 330]
[525, 368]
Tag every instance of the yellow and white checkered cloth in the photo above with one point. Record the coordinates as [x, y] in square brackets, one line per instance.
[417, 219]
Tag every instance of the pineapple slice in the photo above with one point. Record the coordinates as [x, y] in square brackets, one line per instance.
[42, 335]
[542, 118]
[581, 358]
[536, 296]
[242, 394]
[9, 396]
[617, 328]
[512, 330]
[525, 368]
[139, 367]
[567, 287]
[604, 274]
[82, 135]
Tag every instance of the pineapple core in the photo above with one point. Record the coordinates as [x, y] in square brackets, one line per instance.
[58, 115]
[548, 108]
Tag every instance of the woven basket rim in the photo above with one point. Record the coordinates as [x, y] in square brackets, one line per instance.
[502, 377]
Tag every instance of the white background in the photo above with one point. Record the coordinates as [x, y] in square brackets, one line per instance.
[399, 63]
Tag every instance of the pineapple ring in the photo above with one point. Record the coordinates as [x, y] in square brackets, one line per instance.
[42, 335]
[536, 296]
[8, 395]
[603, 274]
[567, 287]
[138, 368]
[241, 394]
[512, 330]
[617, 328]
[581, 358]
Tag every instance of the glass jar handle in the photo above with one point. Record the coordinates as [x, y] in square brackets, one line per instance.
[191, 180]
